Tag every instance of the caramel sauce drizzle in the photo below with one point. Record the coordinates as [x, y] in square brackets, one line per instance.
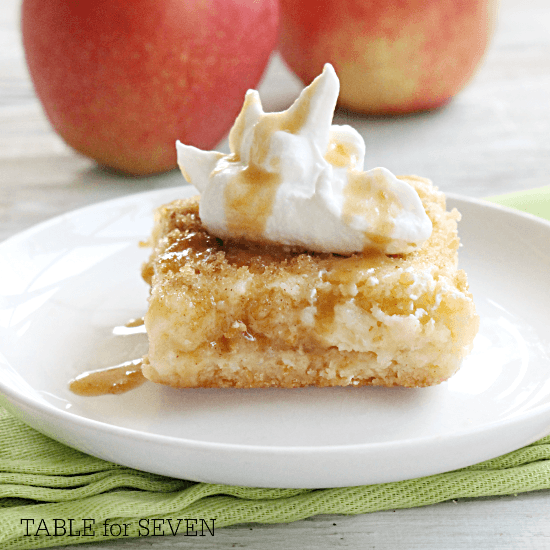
[364, 194]
[250, 196]
[340, 154]
[249, 200]
[116, 379]
[139, 322]
[111, 380]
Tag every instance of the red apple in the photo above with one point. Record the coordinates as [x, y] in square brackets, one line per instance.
[121, 80]
[392, 56]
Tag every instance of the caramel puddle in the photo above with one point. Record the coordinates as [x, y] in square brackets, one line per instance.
[135, 322]
[111, 380]
[116, 379]
[133, 326]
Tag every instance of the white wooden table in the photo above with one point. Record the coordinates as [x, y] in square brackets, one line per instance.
[492, 138]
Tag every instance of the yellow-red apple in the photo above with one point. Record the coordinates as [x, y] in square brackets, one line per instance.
[392, 56]
[121, 80]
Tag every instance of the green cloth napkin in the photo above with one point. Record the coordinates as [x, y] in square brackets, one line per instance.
[535, 201]
[52, 495]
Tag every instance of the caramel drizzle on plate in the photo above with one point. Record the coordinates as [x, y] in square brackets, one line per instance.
[112, 380]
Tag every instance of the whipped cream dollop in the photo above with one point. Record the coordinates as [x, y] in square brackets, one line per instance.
[295, 179]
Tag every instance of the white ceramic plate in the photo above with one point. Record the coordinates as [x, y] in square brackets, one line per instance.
[68, 282]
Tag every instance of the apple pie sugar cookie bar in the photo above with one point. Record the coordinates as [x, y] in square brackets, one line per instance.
[295, 267]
